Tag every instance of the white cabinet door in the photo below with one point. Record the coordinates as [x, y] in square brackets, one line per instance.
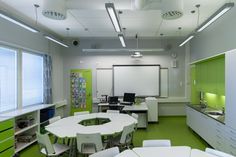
[230, 81]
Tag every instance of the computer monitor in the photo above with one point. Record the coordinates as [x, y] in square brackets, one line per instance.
[129, 97]
[113, 100]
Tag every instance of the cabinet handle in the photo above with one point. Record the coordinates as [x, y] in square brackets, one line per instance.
[218, 136]
[233, 139]
[232, 146]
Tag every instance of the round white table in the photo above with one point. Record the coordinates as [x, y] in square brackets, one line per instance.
[69, 126]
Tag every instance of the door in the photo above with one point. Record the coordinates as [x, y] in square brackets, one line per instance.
[81, 90]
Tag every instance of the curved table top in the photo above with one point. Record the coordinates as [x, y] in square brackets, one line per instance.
[174, 151]
[69, 126]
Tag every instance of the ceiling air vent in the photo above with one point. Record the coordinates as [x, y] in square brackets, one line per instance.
[172, 9]
[54, 9]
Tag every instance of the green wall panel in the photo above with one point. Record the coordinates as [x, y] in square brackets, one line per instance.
[210, 78]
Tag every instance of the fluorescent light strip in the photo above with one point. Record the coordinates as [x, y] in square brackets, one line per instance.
[19, 23]
[122, 40]
[56, 41]
[113, 16]
[215, 16]
[186, 40]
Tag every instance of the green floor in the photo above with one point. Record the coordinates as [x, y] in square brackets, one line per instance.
[173, 128]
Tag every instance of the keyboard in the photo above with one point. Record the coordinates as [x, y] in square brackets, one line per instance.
[126, 103]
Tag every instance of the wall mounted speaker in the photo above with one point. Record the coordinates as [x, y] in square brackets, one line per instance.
[75, 42]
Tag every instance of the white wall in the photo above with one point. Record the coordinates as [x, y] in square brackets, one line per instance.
[15, 36]
[217, 38]
[75, 58]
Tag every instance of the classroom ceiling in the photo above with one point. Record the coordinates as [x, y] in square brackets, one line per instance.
[88, 18]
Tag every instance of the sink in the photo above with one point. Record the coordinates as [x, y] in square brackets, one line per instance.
[214, 113]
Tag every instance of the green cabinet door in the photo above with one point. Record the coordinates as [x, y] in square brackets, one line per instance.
[81, 90]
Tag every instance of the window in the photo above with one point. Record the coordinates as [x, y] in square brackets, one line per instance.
[32, 79]
[8, 79]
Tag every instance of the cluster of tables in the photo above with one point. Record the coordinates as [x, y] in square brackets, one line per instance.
[174, 151]
[68, 128]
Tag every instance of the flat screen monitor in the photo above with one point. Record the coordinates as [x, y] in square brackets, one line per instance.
[113, 100]
[129, 97]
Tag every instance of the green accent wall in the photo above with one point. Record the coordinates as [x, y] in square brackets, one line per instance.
[208, 76]
[81, 90]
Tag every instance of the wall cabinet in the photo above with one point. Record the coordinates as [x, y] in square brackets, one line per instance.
[230, 77]
[218, 135]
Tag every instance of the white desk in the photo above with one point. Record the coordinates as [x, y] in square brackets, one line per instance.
[140, 109]
[69, 126]
[174, 151]
[127, 153]
[199, 153]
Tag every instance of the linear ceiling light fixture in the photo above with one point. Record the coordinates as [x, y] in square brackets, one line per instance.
[186, 40]
[226, 7]
[18, 22]
[122, 40]
[55, 40]
[113, 16]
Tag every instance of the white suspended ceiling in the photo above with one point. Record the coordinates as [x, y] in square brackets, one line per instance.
[88, 18]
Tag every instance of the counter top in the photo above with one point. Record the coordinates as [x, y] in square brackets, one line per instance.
[25, 110]
[219, 118]
[2, 118]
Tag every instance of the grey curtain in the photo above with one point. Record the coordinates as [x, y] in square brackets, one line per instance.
[47, 85]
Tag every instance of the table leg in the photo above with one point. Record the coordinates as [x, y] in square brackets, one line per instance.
[73, 149]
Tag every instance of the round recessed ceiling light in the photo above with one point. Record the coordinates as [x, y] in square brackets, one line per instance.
[54, 9]
[172, 9]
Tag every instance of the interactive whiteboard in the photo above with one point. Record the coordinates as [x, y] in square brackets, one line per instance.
[143, 80]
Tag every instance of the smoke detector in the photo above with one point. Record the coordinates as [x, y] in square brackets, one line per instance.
[54, 9]
[172, 9]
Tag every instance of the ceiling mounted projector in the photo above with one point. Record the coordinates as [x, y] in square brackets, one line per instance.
[136, 55]
[172, 9]
[54, 9]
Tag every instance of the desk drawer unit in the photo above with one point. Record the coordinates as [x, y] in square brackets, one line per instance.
[7, 138]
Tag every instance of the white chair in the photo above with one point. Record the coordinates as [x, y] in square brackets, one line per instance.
[81, 113]
[156, 143]
[49, 149]
[217, 153]
[111, 152]
[113, 111]
[54, 119]
[89, 143]
[135, 116]
[125, 140]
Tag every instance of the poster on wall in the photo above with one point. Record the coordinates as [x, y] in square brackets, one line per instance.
[78, 90]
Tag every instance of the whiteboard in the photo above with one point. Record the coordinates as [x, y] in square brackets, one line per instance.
[143, 80]
[104, 82]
